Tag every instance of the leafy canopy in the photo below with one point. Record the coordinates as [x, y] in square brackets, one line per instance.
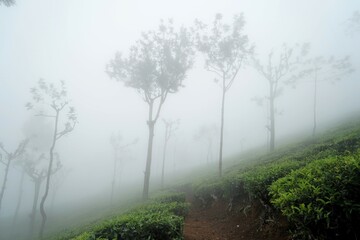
[157, 63]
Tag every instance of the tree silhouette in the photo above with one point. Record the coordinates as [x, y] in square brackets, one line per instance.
[37, 173]
[353, 24]
[226, 49]
[53, 99]
[170, 127]
[7, 3]
[321, 69]
[118, 148]
[277, 71]
[207, 134]
[156, 66]
[7, 159]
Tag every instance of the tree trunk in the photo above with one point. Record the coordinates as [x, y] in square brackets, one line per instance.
[315, 104]
[37, 185]
[5, 179]
[272, 118]
[209, 153]
[19, 197]
[114, 178]
[42, 203]
[164, 155]
[222, 130]
[151, 125]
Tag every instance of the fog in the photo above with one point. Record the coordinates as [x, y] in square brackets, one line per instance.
[73, 41]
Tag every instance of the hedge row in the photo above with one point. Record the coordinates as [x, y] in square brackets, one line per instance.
[322, 200]
[163, 218]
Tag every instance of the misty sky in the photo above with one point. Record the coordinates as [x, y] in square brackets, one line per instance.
[73, 40]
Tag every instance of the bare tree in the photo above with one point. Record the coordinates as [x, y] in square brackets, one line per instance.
[278, 70]
[156, 66]
[207, 134]
[7, 3]
[118, 148]
[170, 127]
[6, 159]
[54, 99]
[226, 49]
[321, 69]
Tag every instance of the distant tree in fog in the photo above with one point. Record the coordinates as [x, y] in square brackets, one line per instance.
[321, 69]
[278, 69]
[6, 158]
[54, 100]
[34, 168]
[7, 3]
[207, 134]
[170, 127]
[353, 24]
[56, 184]
[156, 66]
[226, 50]
[118, 148]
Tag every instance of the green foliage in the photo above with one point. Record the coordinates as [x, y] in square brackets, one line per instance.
[322, 199]
[207, 190]
[170, 197]
[257, 180]
[163, 218]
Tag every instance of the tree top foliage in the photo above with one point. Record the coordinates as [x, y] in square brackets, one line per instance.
[225, 46]
[157, 63]
[7, 3]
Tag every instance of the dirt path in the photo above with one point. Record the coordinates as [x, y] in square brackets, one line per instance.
[216, 222]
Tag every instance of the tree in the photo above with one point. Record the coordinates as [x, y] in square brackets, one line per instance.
[277, 72]
[322, 69]
[118, 148]
[226, 49]
[170, 127]
[7, 3]
[54, 99]
[37, 174]
[6, 160]
[156, 66]
[207, 134]
[353, 24]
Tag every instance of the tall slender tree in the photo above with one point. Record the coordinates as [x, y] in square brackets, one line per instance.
[170, 128]
[207, 134]
[226, 49]
[321, 69]
[118, 148]
[277, 71]
[37, 173]
[55, 101]
[7, 160]
[156, 66]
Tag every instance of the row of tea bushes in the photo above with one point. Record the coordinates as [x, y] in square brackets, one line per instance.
[162, 218]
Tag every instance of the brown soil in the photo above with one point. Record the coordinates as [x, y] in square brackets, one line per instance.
[244, 221]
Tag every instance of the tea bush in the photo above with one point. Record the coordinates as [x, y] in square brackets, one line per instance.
[162, 218]
[322, 200]
[258, 180]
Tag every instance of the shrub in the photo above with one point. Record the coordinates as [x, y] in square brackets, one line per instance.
[170, 197]
[207, 191]
[163, 218]
[322, 200]
[258, 180]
